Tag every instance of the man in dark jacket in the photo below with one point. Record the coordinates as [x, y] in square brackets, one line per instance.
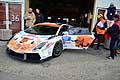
[110, 11]
[39, 17]
[114, 33]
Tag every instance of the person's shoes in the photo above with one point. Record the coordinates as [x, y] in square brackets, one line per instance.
[109, 57]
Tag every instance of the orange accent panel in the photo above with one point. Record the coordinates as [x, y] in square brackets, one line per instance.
[83, 41]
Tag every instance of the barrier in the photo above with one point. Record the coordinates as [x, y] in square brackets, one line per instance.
[5, 34]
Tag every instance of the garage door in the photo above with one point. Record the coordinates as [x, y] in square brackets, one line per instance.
[74, 12]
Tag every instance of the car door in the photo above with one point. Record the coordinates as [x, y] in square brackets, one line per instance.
[77, 38]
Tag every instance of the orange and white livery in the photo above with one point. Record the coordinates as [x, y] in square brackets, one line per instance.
[48, 39]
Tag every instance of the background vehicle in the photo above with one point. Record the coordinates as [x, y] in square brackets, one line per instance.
[48, 39]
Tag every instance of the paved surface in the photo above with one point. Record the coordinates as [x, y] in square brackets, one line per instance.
[71, 65]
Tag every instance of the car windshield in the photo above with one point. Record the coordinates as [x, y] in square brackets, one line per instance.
[42, 30]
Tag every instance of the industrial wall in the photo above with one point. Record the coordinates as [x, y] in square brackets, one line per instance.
[13, 14]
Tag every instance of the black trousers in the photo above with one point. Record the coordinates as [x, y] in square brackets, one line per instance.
[112, 46]
[98, 37]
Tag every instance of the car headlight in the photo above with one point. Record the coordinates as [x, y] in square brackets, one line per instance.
[39, 46]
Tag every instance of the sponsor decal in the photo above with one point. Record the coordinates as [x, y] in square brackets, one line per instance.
[83, 41]
[48, 46]
[66, 38]
[22, 45]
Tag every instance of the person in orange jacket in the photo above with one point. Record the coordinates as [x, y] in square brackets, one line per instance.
[100, 29]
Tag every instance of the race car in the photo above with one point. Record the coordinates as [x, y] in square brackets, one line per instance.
[45, 40]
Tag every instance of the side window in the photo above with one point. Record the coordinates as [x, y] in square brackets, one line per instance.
[74, 31]
[78, 31]
[63, 29]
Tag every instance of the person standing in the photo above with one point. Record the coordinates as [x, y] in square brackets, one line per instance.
[114, 33]
[29, 18]
[39, 16]
[109, 12]
[99, 30]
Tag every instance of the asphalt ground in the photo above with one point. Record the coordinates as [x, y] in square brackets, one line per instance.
[87, 64]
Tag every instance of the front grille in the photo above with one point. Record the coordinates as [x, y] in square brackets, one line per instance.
[30, 56]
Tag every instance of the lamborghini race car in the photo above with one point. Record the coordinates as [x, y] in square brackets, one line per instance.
[44, 40]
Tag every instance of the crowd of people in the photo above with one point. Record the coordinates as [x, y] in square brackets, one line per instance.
[108, 24]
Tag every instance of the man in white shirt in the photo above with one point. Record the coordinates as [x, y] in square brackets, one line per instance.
[109, 12]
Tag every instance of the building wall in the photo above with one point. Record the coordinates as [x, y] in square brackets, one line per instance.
[14, 11]
[2, 16]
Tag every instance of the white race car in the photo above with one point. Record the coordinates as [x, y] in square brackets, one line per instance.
[44, 40]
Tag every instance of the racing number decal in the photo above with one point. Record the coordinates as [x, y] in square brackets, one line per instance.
[15, 18]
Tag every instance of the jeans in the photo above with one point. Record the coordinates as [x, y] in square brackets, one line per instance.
[112, 46]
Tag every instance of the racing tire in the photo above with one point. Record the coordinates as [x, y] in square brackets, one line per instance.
[57, 50]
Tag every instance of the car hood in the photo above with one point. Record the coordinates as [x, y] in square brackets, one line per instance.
[25, 42]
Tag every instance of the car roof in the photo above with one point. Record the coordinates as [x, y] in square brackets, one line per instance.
[48, 24]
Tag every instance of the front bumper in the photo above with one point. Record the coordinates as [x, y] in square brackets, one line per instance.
[23, 56]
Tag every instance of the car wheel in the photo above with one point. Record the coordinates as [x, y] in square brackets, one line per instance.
[57, 50]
